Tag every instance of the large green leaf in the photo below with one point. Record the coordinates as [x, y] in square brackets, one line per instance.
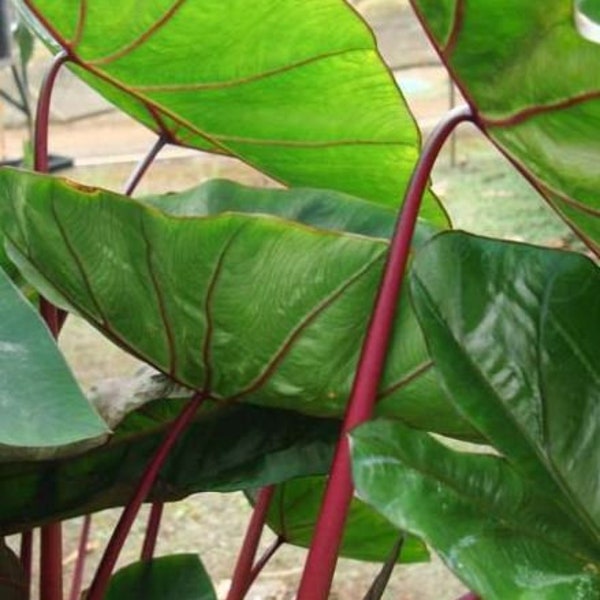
[174, 577]
[13, 581]
[296, 89]
[41, 405]
[492, 526]
[226, 448]
[533, 81]
[368, 536]
[244, 306]
[515, 333]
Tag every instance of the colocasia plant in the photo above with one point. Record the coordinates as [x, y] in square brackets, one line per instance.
[276, 321]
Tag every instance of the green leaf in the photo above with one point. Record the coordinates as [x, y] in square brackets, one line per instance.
[515, 332]
[489, 524]
[13, 581]
[41, 403]
[227, 448]
[245, 306]
[542, 105]
[293, 514]
[174, 577]
[277, 86]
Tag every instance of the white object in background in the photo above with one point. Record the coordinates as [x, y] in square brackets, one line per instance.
[588, 27]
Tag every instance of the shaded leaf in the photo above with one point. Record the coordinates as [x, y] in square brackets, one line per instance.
[277, 86]
[542, 105]
[489, 524]
[245, 306]
[13, 581]
[294, 510]
[41, 403]
[227, 448]
[515, 332]
[174, 577]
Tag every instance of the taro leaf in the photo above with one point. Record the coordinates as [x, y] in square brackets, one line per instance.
[515, 333]
[227, 448]
[489, 524]
[41, 405]
[368, 536]
[245, 306]
[174, 577]
[533, 81]
[296, 89]
[13, 581]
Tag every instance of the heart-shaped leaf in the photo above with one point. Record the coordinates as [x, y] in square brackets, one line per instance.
[243, 306]
[368, 536]
[515, 332]
[174, 577]
[532, 79]
[277, 86]
[226, 448]
[40, 402]
[491, 526]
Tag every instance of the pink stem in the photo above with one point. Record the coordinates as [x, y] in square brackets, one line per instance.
[26, 552]
[470, 596]
[51, 583]
[264, 559]
[152, 528]
[322, 556]
[84, 536]
[143, 166]
[242, 576]
[113, 549]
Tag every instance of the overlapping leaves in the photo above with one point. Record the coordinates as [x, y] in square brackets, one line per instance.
[514, 331]
[244, 306]
[277, 86]
[533, 81]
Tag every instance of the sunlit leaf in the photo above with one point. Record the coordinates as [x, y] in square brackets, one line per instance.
[296, 89]
[246, 306]
[533, 80]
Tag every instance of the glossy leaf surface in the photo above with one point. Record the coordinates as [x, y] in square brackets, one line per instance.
[278, 86]
[227, 448]
[41, 404]
[246, 306]
[534, 85]
[490, 525]
[175, 577]
[368, 536]
[515, 332]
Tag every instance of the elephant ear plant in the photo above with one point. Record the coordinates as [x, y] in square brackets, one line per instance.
[275, 323]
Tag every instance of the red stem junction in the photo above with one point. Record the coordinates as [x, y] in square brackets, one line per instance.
[322, 557]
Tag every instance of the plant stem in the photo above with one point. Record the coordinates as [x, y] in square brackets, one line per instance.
[322, 556]
[25, 554]
[152, 528]
[242, 576]
[470, 596]
[113, 549]
[42, 115]
[143, 166]
[264, 559]
[383, 577]
[51, 583]
[81, 556]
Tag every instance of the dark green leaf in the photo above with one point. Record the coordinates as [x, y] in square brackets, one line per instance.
[490, 525]
[294, 510]
[41, 404]
[515, 332]
[542, 104]
[175, 577]
[13, 582]
[276, 86]
[226, 448]
[245, 306]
